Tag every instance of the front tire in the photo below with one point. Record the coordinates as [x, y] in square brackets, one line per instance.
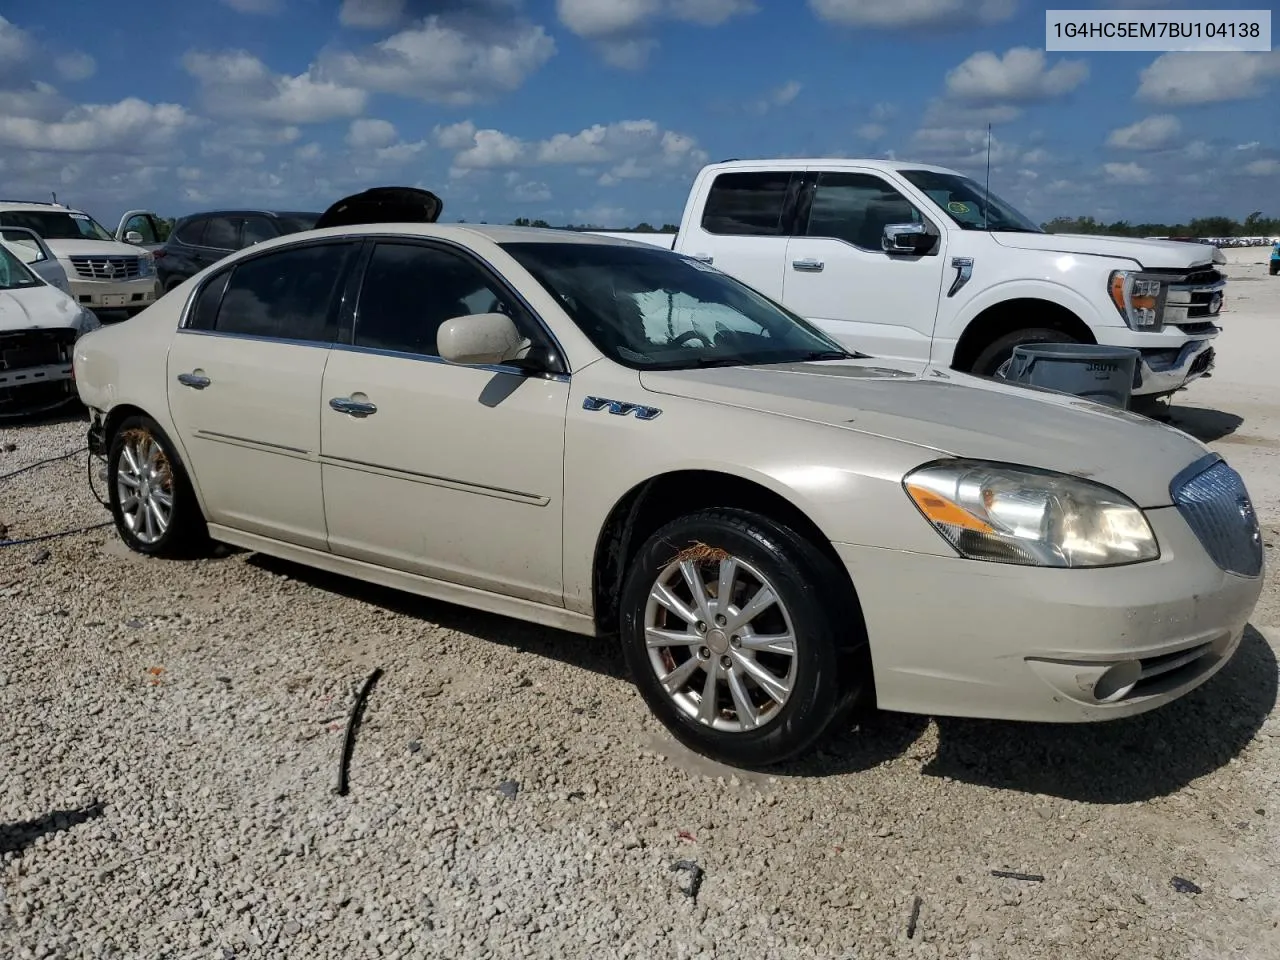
[999, 352]
[736, 630]
[152, 502]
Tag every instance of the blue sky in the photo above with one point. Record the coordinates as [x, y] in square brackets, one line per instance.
[601, 111]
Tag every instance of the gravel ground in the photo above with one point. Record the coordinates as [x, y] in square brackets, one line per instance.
[174, 731]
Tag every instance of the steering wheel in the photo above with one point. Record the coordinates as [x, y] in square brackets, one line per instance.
[688, 335]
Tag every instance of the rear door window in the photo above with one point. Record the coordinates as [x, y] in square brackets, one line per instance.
[256, 230]
[221, 234]
[285, 295]
[752, 204]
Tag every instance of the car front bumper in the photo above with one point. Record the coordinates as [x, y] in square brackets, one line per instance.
[968, 638]
[36, 373]
[114, 295]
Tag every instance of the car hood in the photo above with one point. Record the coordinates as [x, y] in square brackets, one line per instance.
[37, 308]
[1149, 253]
[93, 248]
[952, 414]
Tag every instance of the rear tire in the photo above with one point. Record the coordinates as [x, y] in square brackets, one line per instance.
[152, 502]
[770, 698]
[1000, 350]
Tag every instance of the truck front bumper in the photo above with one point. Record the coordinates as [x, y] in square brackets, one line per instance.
[1164, 370]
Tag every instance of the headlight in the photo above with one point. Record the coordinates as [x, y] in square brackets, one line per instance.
[146, 266]
[88, 320]
[1139, 299]
[990, 511]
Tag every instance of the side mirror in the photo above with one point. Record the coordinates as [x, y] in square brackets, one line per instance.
[481, 338]
[910, 238]
[133, 236]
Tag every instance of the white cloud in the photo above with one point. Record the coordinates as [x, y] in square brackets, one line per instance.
[369, 132]
[40, 101]
[238, 84]
[1126, 173]
[947, 113]
[309, 153]
[370, 14]
[630, 149]
[1177, 79]
[602, 215]
[1263, 168]
[619, 29]
[75, 66]
[872, 131]
[1151, 133]
[129, 125]
[255, 6]
[778, 97]
[530, 191]
[911, 13]
[445, 61]
[15, 44]
[1021, 75]
[958, 147]
[397, 153]
[1251, 145]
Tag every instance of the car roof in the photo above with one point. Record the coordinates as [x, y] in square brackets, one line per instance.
[460, 232]
[823, 163]
[245, 211]
[34, 206]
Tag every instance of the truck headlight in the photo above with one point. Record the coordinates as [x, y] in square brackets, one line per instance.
[146, 266]
[1010, 514]
[1139, 299]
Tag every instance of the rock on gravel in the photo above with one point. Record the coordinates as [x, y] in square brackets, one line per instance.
[171, 729]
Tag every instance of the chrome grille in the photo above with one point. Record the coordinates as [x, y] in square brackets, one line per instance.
[1213, 500]
[1195, 297]
[107, 268]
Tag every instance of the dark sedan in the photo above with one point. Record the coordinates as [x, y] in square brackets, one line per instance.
[201, 239]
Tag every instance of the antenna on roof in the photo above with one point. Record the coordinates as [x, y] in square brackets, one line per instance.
[986, 201]
[55, 197]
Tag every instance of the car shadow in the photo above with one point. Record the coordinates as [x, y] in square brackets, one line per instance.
[16, 837]
[599, 655]
[1203, 423]
[1112, 762]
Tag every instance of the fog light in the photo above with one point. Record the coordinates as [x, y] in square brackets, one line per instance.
[1117, 681]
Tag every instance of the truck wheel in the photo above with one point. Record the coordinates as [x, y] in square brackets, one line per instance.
[735, 633]
[999, 352]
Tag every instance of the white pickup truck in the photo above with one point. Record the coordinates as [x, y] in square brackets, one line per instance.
[916, 262]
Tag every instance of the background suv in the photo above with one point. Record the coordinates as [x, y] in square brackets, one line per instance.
[102, 272]
[204, 238]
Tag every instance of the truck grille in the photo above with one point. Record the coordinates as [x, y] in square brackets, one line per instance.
[1194, 298]
[1214, 502]
[107, 268]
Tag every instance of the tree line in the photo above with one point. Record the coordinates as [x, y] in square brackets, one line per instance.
[1254, 225]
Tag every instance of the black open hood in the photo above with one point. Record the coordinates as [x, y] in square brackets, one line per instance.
[383, 205]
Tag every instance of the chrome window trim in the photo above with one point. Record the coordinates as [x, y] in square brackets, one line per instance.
[426, 358]
[258, 338]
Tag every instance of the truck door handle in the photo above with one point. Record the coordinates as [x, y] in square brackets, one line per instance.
[196, 380]
[702, 257]
[809, 265]
[356, 408]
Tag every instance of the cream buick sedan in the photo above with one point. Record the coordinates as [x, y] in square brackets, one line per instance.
[618, 440]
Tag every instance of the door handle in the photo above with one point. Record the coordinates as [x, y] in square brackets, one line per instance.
[196, 380]
[702, 257]
[357, 408]
[809, 265]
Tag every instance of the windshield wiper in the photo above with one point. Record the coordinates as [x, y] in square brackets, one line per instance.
[832, 355]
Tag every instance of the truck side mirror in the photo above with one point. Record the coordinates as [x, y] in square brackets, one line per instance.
[909, 238]
[133, 236]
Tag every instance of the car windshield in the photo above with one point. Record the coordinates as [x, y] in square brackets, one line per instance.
[56, 225]
[14, 274]
[651, 309]
[969, 204]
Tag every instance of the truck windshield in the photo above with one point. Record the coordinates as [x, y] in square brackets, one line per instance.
[56, 225]
[650, 309]
[969, 204]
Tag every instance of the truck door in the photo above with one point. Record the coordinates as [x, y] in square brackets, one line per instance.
[839, 276]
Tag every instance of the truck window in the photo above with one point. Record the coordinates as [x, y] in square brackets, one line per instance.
[855, 208]
[749, 204]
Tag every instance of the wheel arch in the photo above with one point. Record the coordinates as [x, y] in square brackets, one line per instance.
[653, 502]
[123, 411]
[1016, 313]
